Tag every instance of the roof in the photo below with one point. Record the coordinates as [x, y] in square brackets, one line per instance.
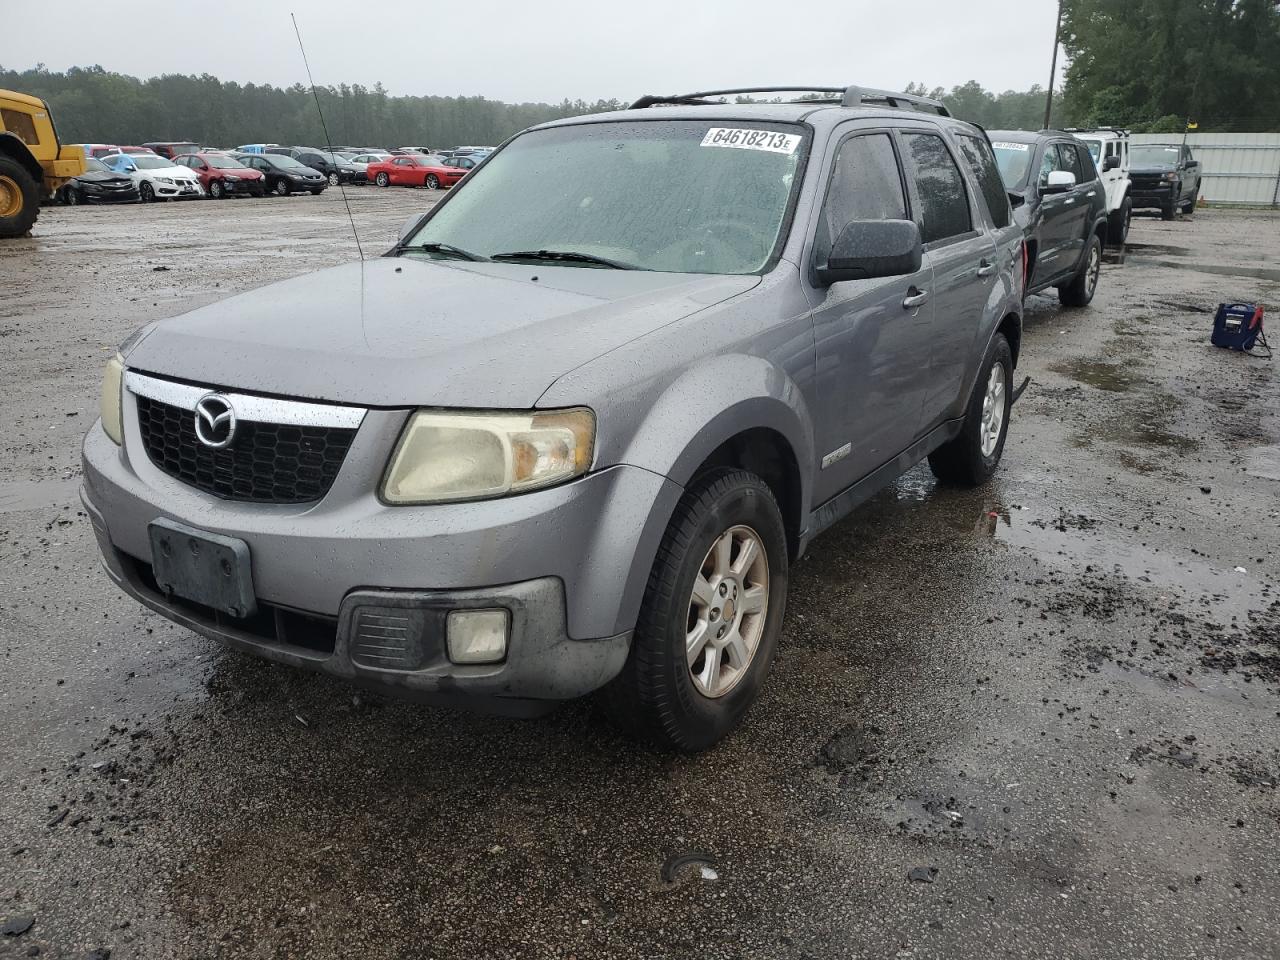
[803, 111]
[1028, 136]
[23, 98]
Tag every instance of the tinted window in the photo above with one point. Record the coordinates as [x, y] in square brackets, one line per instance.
[982, 164]
[865, 185]
[944, 203]
[1049, 163]
[1070, 161]
[1087, 169]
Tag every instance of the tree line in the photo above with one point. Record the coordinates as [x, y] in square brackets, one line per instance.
[1150, 65]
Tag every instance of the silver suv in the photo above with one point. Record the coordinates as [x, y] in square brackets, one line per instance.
[568, 435]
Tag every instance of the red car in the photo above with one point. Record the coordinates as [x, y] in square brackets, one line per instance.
[223, 176]
[413, 170]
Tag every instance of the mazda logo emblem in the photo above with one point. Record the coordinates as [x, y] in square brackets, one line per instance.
[215, 421]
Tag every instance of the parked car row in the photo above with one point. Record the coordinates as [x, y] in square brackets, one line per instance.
[185, 170]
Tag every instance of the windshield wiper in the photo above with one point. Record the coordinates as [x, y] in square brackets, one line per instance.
[448, 248]
[570, 256]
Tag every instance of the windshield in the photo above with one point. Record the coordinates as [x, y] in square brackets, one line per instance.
[145, 162]
[223, 163]
[92, 165]
[1095, 149]
[1014, 160]
[287, 162]
[1153, 156]
[683, 196]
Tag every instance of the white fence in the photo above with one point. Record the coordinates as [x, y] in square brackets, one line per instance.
[1236, 168]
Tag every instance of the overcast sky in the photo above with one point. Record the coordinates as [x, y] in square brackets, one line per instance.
[545, 50]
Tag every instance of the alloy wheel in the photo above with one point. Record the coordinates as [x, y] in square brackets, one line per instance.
[1095, 267]
[727, 610]
[992, 410]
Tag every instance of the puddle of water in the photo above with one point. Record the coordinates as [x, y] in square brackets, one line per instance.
[1114, 378]
[17, 496]
[1255, 273]
[1159, 249]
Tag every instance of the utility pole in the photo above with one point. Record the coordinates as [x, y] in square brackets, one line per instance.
[1053, 68]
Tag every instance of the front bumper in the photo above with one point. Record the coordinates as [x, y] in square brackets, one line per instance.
[1152, 197]
[99, 195]
[569, 563]
[185, 190]
[242, 188]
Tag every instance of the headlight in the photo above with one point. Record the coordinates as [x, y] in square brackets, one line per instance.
[112, 419]
[473, 456]
[231, 179]
[165, 179]
[1170, 176]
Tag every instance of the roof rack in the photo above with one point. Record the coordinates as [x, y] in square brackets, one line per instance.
[851, 96]
[1118, 131]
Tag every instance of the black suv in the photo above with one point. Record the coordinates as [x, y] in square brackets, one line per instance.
[1062, 208]
[1165, 176]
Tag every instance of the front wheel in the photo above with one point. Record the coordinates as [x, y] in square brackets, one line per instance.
[1118, 223]
[1192, 201]
[382, 180]
[432, 182]
[1167, 210]
[710, 618]
[282, 188]
[73, 197]
[333, 179]
[1079, 292]
[216, 190]
[971, 457]
[19, 198]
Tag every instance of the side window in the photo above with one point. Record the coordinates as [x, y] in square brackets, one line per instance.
[1049, 163]
[866, 184]
[1088, 171]
[1069, 161]
[982, 164]
[20, 125]
[943, 200]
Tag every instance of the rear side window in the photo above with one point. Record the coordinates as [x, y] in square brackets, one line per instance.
[1087, 169]
[944, 203]
[982, 164]
[1069, 161]
[866, 184]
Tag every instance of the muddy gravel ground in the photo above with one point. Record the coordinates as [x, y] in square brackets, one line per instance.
[1037, 719]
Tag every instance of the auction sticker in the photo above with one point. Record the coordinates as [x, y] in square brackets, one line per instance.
[1004, 145]
[744, 139]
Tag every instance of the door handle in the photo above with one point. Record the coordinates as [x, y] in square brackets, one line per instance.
[986, 268]
[1069, 200]
[915, 298]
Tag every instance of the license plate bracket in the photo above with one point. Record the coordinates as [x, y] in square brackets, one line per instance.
[205, 568]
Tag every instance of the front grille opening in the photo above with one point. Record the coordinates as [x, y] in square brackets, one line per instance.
[279, 626]
[265, 463]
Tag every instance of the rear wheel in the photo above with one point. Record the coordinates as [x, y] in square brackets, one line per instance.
[1118, 223]
[1079, 292]
[382, 180]
[710, 619]
[19, 198]
[973, 455]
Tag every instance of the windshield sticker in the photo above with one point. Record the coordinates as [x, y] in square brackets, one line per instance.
[1023, 147]
[742, 139]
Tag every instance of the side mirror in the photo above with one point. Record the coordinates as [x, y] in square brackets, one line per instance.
[1192, 163]
[1110, 163]
[1060, 181]
[408, 226]
[872, 248]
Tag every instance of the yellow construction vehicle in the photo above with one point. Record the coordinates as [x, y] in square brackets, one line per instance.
[33, 162]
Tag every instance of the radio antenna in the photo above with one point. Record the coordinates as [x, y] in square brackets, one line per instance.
[328, 143]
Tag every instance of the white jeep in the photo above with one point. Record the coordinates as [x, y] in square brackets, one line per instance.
[1110, 149]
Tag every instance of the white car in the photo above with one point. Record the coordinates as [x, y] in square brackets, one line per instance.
[156, 177]
[1109, 147]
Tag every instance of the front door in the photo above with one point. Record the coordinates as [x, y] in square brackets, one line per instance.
[872, 336]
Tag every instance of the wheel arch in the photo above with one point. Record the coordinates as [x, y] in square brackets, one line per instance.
[16, 150]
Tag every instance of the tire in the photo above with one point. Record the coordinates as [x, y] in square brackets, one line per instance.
[281, 188]
[1191, 202]
[146, 193]
[216, 190]
[1168, 210]
[1079, 292]
[432, 182]
[72, 197]
[656, 696]
[333, 179]
[1118, 223]
[382, 180]
[971, 457]
[317, 191]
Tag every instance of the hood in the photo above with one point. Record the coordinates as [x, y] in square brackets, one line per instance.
[102, 176]
[407, 331]
[173, 171]
[1153, 168]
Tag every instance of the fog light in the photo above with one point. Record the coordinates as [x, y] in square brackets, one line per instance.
[478, 636]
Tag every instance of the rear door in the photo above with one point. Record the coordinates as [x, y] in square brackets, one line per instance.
[872, 336]
[962, 253]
